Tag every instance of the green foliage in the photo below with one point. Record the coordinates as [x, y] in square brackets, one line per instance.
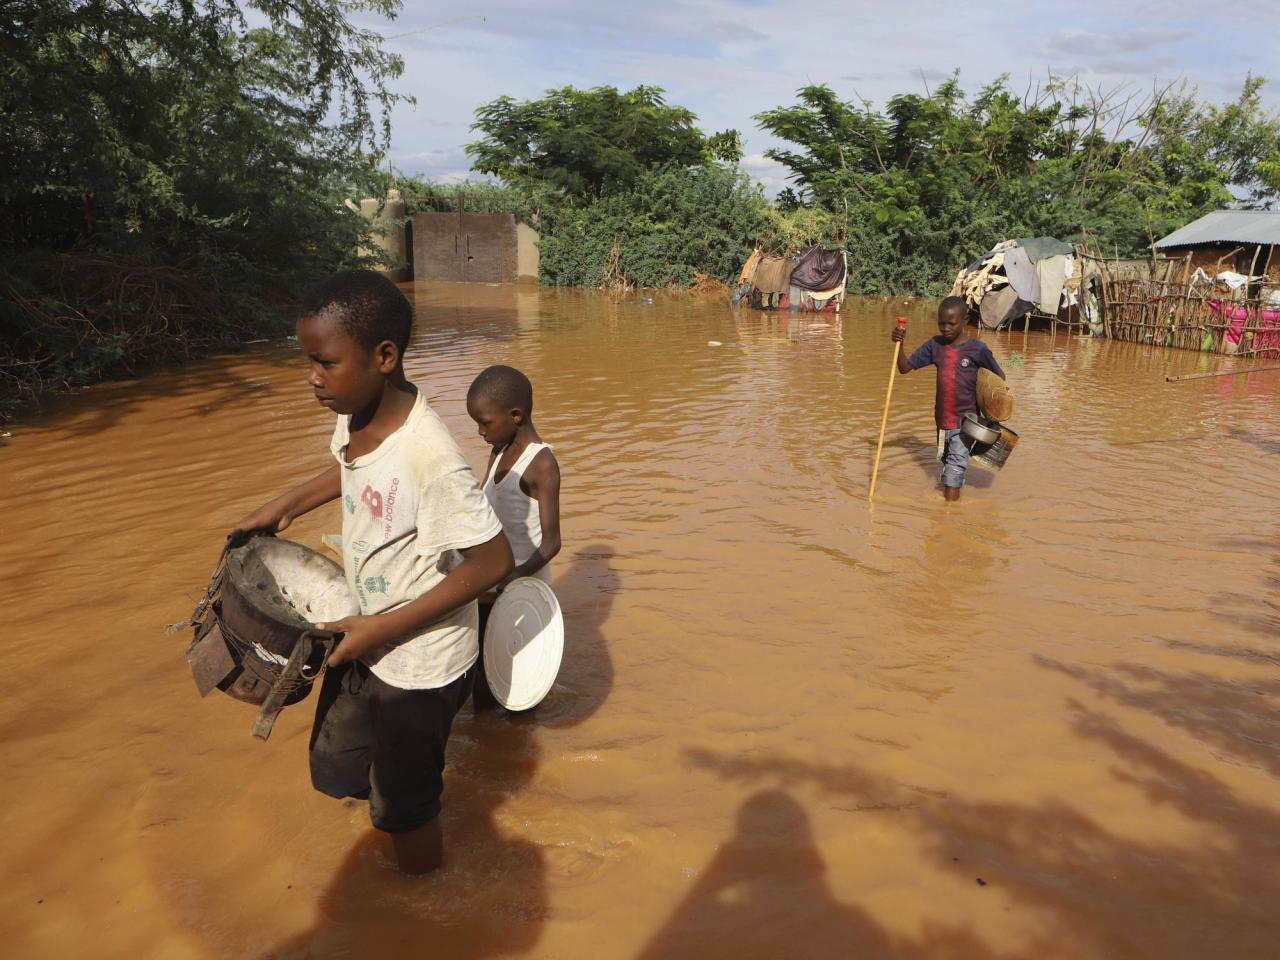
[170, 134]
[584, 143]
[527, 201]
[723, 147]
[173, 176]
[673, 223]
[923, 186]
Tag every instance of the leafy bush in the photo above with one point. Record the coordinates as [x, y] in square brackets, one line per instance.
[673, 224]
[169, 138]
[924, 186]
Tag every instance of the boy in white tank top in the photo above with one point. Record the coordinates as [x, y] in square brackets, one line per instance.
[522, 482]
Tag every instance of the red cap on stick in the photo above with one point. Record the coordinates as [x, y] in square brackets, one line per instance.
[902, 323]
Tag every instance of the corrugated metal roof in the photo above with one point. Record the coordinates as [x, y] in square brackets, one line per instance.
[1226, 226]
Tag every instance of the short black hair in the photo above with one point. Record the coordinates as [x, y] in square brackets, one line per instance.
[951, 303]
[366, 305]
[505, 386]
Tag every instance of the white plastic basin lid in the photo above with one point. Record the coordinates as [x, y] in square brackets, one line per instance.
[523, 644]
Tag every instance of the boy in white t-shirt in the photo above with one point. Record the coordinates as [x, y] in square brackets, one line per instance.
[420, 543]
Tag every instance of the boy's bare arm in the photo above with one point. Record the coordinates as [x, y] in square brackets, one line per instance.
[274, 515]
[482, 567]
[543, 478]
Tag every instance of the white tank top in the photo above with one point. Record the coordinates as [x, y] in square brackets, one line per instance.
[521, 518]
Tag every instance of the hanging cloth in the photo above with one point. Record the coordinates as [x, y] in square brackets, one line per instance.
[1022, 274]
[1051, 274]
[773, 274]
[818, 269]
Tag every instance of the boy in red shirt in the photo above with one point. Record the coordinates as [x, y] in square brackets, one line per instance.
[958, 358]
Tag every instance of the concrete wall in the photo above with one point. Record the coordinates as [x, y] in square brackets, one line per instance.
[388, 236]
[527, 256]
[474, 247]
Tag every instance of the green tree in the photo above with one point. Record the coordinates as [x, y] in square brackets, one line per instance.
[584, 143]
[922, 186]
[174, 141]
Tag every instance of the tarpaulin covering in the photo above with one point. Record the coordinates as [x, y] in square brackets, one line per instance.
[818, 269]
[1038, 248]
[1016, 276]
[773, 274]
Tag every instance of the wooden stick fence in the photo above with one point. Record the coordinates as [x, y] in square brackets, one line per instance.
[1244, 322]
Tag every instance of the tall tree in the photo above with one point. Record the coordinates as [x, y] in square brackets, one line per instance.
[116, 117]
[932, 179]
[170, 141]
[585, 142]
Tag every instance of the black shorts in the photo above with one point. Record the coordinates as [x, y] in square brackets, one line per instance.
[482, 697]
[374, 741]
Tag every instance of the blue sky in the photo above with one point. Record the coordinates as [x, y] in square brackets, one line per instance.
[729, 59]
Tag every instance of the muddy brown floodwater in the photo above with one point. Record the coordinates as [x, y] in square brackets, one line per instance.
[1040, 723]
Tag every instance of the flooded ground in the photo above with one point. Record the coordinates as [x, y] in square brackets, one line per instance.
[1039, 723]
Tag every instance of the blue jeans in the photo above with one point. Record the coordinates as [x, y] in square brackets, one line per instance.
[955, 457]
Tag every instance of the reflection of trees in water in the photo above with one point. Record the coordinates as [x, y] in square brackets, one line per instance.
[490, 898]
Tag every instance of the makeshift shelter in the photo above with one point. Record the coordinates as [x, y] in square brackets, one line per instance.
[1238, 241]
[1038, 276]
[812, 281]
[1217, 290]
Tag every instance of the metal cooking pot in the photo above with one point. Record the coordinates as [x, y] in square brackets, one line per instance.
[254, 632]
[979, 430]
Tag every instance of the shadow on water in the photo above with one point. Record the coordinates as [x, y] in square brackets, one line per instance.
[1096, 891]
[765, 895]
[924, 455]
[1263, 444]
[919, 450]
[769, 868]
[1256, 611]
[490, 899]
[1228, 715]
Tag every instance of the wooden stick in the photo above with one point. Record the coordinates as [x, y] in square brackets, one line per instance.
[884, 420]
[1219, 373]
[1217, 267]
[1253, 265]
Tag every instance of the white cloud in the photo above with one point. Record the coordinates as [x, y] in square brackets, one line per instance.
[770, 174]
[727, 60]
